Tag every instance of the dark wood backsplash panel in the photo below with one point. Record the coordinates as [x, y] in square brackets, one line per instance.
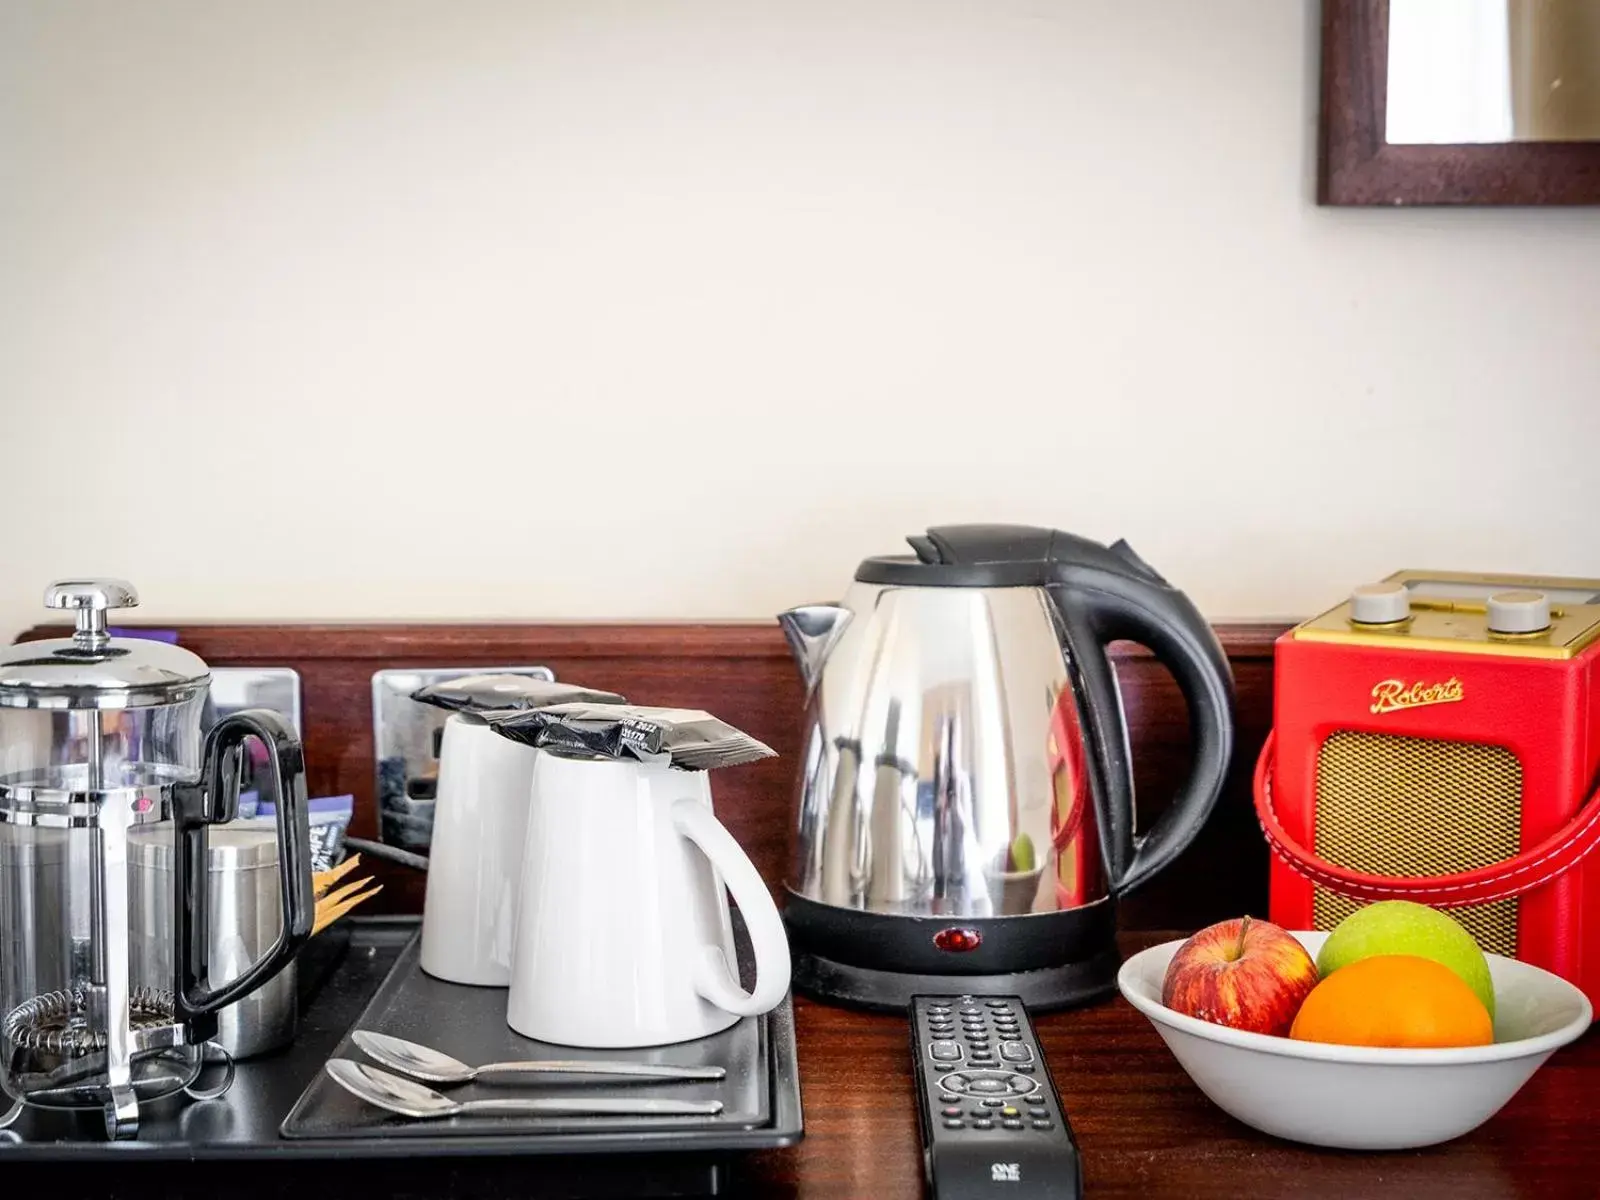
[742, 672]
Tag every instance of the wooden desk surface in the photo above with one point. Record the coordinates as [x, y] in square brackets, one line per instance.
[1146, 1131]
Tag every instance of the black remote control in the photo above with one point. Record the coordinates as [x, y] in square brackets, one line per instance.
[992, 1124]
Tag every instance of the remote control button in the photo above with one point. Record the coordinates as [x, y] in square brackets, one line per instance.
[1004, 1023]
[1010, 1111]
[1009, 1035]
[953, 1110]
[987, 1081]
[994, 1103]
[938, 1010]
[1044, 1124]
[1035, 1101]
[948, 1098]
[983, 1124]
[971, 1010]
[997, 1004]
[1015, 1052]
[944, 1052]
[1030, 1068]
[982, 1056]
[1009, 1124]
[955, 1124]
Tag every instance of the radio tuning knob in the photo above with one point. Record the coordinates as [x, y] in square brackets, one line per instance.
[1519, 612]
[1380, 603]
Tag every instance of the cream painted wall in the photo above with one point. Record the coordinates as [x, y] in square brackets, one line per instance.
[486, 308]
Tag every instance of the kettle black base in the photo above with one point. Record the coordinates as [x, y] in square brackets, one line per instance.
[863, 987]
[881, 960]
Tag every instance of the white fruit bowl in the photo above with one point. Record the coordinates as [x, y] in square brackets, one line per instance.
[1358, 1097]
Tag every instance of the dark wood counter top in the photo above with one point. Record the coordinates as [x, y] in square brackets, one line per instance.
[1146, 1131]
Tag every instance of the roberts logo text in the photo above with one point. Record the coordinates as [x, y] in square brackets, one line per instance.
[1394, 694]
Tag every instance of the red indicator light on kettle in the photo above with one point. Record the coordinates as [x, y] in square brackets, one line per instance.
[957, 941]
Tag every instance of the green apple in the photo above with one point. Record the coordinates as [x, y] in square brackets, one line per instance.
[1401, 927]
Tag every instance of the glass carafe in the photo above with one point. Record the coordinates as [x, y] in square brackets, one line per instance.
[99, 735]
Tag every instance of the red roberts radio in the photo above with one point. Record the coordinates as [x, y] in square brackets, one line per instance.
[1437, 738]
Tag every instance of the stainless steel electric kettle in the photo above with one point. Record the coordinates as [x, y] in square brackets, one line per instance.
[966, 809]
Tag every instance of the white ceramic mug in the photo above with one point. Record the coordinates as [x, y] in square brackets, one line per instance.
[623, 933]
[480, 816]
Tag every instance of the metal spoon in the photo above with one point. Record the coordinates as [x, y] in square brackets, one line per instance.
[434, 1066]
[411, 1099]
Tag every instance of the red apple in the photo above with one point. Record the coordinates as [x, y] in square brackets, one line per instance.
[1244, 974]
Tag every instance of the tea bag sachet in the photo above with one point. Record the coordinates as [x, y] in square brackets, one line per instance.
[686, 738]
[492, 693]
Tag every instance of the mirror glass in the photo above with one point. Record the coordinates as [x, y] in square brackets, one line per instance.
[1493, 71]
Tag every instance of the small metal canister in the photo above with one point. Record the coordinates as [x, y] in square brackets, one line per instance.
[246, 917]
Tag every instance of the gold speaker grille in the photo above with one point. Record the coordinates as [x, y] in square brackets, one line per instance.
[1410, 806]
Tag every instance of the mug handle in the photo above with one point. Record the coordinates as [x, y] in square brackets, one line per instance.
[714, 979]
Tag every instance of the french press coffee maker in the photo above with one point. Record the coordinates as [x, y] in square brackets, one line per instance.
[100, 735]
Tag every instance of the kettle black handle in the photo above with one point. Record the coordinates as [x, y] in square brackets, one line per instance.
[211, 802]
[1098, 606]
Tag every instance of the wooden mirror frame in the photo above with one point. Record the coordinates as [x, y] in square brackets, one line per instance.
[1356, 166]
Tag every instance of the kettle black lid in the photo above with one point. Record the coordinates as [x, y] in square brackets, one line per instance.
[997, 556]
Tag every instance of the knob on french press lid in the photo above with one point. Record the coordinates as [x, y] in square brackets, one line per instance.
[91, 598]
[92, 669]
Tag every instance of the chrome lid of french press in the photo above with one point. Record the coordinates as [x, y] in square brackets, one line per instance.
[92, 669]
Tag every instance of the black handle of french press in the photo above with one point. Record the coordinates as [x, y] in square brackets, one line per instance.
[1098, 606]
[210, 802]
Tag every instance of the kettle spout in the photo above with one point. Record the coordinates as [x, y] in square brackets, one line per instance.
[812, 630]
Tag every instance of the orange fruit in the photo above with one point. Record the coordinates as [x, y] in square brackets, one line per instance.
[1394, 1000]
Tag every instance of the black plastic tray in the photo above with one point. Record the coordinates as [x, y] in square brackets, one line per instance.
[470, 1024]
[343, 974]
